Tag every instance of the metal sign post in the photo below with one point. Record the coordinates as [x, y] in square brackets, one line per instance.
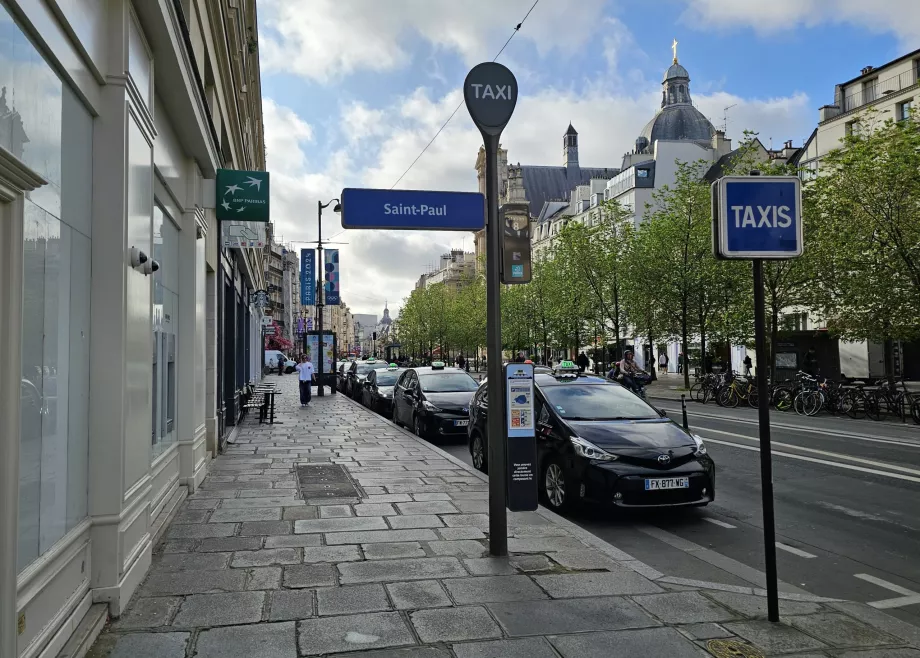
[522, 442]
[490, 92]
[756, 218]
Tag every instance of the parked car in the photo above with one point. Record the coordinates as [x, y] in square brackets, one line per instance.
[271, 361]
[340, 377]
[356, 373]
[434, 401]
[377, 394]
[597, 441]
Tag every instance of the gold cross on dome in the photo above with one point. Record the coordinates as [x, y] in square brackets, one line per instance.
[674, 49]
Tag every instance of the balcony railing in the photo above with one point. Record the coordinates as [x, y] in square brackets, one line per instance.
[879, 89]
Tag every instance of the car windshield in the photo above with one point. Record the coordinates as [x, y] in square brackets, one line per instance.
[388, 377]
[364, 368]
[596, 402]
[447, 382]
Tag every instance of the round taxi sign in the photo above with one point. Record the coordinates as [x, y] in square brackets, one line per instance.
[490, 91]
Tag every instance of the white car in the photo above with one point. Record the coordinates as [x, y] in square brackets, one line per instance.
[271, 361]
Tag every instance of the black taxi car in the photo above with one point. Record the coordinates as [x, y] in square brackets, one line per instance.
[434, 401]
[597, 441]
[377, 392]
[355, 374]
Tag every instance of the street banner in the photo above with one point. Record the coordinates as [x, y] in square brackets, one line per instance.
[331, 278]
[242, 196]
[307, 277]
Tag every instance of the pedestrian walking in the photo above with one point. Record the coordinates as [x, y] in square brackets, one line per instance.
[280, 364]
[680, 363]
[747, 363]
[305, 372]
[583, 362]
[663, 362]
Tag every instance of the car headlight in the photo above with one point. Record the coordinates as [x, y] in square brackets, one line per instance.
[700, 446]
[430, 407]
[385, 395]
[588, 450]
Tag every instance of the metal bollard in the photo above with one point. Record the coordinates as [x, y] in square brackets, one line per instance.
[683, 408]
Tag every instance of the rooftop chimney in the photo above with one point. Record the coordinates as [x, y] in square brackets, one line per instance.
[867, 69]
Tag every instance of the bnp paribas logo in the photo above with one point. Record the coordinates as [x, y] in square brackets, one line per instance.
[242, 196]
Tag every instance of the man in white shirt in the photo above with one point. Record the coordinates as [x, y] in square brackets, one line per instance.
[305, 370]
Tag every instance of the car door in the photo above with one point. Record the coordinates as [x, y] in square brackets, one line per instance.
[399, 396]
[546, 432]
[368, 394]
[479, 412]
[350, 378]
[411, 398]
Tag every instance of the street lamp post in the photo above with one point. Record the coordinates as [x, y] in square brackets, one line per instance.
[320, 293]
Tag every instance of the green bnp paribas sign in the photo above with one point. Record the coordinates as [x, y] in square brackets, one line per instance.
[242, 196]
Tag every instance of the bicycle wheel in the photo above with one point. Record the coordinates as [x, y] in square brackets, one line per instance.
[753, 399]
[876, 408]
[728, 397]
[782, 398]
[798, 404]
[915, 410]
[856, 404]
[696, 392]
[812, 403]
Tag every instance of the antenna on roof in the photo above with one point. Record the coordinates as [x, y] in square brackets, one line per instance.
[725, 117]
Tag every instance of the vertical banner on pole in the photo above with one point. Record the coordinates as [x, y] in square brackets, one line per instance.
[307, 277]
[331, 277]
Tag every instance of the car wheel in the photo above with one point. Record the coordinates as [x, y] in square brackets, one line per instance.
[417, 426]
[394, 416]
[557, 491]
[478, 454]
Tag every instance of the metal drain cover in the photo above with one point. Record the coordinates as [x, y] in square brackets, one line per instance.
[326, 481]
[732, 649]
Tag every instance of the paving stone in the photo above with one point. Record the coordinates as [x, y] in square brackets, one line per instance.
[229, 486]
[683, 608]
[266, 557]
[351, 600]
[331, 554]
[456, 534]
[225, 609]
[756, 606]
[264, 578]
[543, 544]
[415, 521]
[148, 613]
[258, 640]
[375, 509]
[418, 594]
[389, 551]
[428, 507]
[426, 497]
[287, 605]
[293, 541]
[203, 503]
[256, 528]
[597, 583]
[582, 559]
[493, 589]
[480, 521]
[626, 644]
[454, 624]
[192, 516]
[570, 616]
[705, 631]
[309, 575]
[192, 562]
[529, 647]
[490, 566]
[256, 514]
[191, 582]
[140, 645]
[177, 546]
[201, 531]
[229, 544]
[380, 536]
[389, 498]
[299, 513]
[841, 631]
[262, 501]
[774, 638]
[340, 525]
[530, 563]
[877, 653]
[335, 511]
[472, 506]
[414, 652]
[378, 571]
[352, 632]
[463, 547]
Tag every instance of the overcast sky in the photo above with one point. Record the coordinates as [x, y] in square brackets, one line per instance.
[354, 89]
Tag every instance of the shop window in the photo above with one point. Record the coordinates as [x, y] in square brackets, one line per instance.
[165, 325]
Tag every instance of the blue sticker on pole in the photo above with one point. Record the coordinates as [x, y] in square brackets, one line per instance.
[413, 210]
[307, 277]
[758, 217]
[331, 279]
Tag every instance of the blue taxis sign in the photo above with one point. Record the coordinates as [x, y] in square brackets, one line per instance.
[757, 217]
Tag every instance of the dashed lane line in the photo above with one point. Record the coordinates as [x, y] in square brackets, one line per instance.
[721, 524]
[794, 550]
[908, 597]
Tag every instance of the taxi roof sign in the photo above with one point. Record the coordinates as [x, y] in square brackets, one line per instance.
[567, 365]
[437, 365]
[392, 366]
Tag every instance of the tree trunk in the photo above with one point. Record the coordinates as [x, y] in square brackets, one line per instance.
[889, 362]
[685, 366]
[774, 339]
[653, 371]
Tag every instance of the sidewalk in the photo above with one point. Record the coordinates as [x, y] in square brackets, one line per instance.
[398, 568]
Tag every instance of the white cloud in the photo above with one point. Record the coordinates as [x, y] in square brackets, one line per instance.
[901, 17]
[334, 38]
[359, 121]
[285, 133]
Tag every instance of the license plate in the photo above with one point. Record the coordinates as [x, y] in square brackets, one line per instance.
[667, 483]
[461, 423]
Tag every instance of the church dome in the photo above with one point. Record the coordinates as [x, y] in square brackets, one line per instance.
[675, 71]
[677, 120]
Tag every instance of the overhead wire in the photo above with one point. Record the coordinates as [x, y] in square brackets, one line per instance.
[516, 29]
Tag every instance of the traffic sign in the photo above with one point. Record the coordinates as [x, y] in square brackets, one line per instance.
[267, 320]
[490, 92]
[268, 331]
[242, 196]
[757, 217]
[412, 209]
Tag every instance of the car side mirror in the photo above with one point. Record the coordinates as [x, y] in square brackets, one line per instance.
[662, 413]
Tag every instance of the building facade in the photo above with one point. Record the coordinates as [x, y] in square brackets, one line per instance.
[454, 268]
[122, 318]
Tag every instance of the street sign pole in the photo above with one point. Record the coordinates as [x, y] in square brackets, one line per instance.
[320, 293]
[766, 455]
[490, 92]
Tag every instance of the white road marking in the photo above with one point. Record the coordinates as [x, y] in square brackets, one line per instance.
[855, 513]
[794, 550]
[908, 597]
[721, 524]
[814, 460]
[893, 467]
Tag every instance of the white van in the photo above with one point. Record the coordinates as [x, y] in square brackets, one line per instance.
[271, 361]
